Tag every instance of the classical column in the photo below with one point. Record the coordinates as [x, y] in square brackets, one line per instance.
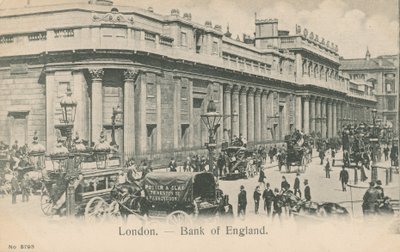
[334, 119]
[97, 103]
[312, 114]
[339, 115]
[227, 111]
[324, 119]
[299, 114]
[177, 131]
[142, 125]
[190, 99]
[243, 112]
[176, 111]
[329, 118]
[306, 114]
[250, 115]
[257, 116]
[79, 88]
[235, 110]
[51, 138]
[129, 113]
[264, 114]
[317, 115]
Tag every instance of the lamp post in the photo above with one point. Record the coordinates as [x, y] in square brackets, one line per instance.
[68, 108]
[115, 113]
[212, 119]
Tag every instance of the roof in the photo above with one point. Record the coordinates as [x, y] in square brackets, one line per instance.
[364, 64]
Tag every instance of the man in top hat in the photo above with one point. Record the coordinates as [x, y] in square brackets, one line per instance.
[296, 186]
[242, 202]
[379, 188]
[344, 178]
[307, 190]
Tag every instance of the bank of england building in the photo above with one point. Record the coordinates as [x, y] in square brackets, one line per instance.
[162, 71]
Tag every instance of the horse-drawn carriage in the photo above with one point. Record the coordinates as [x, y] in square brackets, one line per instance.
[356, 145]
[177, 198]
[298, 152]
[301, 207]
[85, 175]
[236, 162]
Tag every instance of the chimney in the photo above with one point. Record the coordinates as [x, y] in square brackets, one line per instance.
[266, 28]
[367, 54]
[208, 24]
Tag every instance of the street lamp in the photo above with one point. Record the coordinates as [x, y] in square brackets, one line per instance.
[68, 108]
[212, 121]
[115, 113]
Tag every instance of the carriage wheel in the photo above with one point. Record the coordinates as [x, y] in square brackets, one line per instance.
[322, 212]
[113, 210]
[178, 218]
[46, 204]
[96, 209]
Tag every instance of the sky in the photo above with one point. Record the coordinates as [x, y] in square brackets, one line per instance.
[352, 25]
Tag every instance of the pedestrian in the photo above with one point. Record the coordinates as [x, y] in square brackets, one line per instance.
[261, 176]
[284, 184]
[268, 197]
[370, 200]
[242, 202]
[187, 165]
[271, 155]
[333, 155]
[327, 169]
[221, 164]
[277, 203]
[297, 185]
[344, 178]
[15, 188]
[307, 191]
[25, 188]
[256, 197]
[379, 188]
[322, 156]
[386, 152]
[172, 165]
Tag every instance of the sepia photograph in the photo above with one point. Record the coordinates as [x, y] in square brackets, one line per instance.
[199, 125]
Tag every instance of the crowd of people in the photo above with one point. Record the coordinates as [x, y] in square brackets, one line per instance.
[273, 199]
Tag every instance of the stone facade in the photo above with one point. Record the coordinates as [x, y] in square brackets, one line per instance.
[162, 71]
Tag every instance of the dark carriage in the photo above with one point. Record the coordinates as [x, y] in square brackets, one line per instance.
[236, 162]
[176, 197]
[81, 174]
[300, 207]
[298, 152]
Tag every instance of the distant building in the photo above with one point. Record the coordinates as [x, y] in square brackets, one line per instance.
[380, 76]
[162, 71]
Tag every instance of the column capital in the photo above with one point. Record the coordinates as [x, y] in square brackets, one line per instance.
[96, 73]
[265, 92]
[258, 92]
[250, 91]
[306, 97]
[235, 89]
[130, 74]
[228, 88]
[243, 90]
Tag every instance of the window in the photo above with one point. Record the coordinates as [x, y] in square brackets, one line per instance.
[215, 47]
[183, 39]
[391, 103]
[151, 90]
[197, 102]
[184, 93]
[390, 83]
